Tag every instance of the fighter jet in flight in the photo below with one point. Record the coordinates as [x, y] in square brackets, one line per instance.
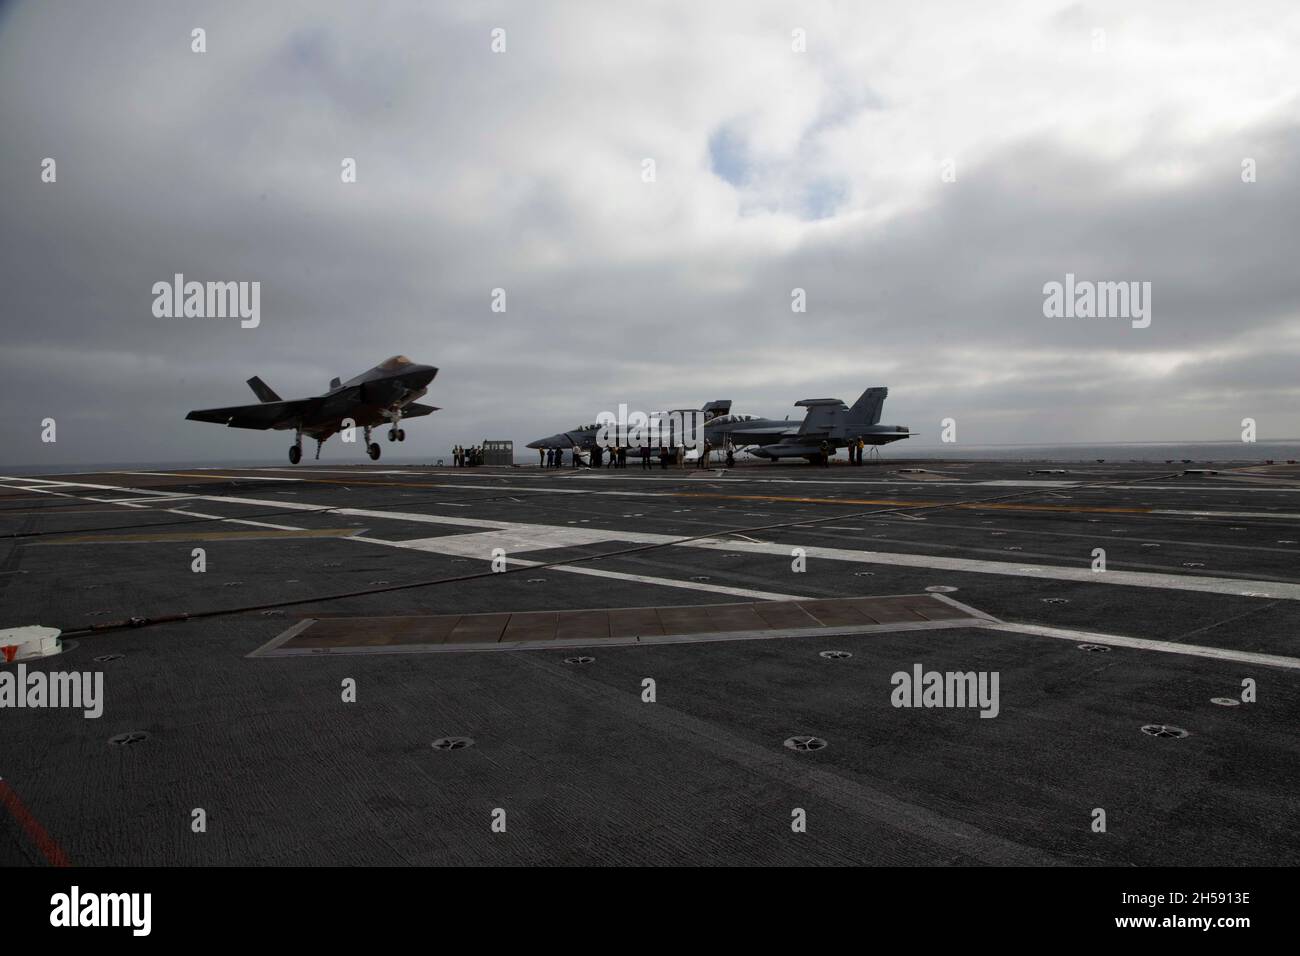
[584, 436]
[386, 393]
[828, 425]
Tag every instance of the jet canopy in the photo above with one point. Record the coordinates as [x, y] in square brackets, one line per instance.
[394, 363]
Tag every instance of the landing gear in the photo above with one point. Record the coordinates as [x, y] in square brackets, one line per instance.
[374, 451]
[395, 430]
[295, 454]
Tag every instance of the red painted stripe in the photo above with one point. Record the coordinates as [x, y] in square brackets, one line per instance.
[50, 849]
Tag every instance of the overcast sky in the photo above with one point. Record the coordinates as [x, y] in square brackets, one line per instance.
[1104, 140]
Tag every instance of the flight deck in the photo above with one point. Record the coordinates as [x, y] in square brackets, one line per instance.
[393, 664]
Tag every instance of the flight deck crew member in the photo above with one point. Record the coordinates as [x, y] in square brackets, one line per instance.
[542, 455]
[596, 455]
[826, 455]
[645, 457]
[622, 456]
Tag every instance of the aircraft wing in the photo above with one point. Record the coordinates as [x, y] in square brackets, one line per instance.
[772, 431]
[260, 416]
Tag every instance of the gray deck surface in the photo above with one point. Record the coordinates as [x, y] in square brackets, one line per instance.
[1203, 576]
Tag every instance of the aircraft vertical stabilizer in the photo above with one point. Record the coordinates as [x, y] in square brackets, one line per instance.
[868, 407]
[263, 391]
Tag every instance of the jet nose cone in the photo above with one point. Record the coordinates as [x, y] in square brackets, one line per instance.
[421, 375]
[551, 441]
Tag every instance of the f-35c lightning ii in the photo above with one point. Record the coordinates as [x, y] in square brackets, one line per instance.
[384, 394]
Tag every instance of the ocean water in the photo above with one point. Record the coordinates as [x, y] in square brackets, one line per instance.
[1160, 452]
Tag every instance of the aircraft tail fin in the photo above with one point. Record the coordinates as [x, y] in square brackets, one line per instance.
[868, 407]
[263, 391]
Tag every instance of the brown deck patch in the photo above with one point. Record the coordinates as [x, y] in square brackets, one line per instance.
[640, 625]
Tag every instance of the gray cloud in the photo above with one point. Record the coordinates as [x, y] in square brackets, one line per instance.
[523, 170]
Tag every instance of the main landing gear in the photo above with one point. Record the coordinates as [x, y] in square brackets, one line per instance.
[372, 447]
[295, 450]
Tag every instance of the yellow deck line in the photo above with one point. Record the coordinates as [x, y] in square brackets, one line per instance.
[196, 535]
[885, 502]
[900, 503]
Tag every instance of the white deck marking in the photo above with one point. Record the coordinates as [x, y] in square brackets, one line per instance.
[547, 535]
[544, 536]
[1226, 514]
[1083, 484]
[1211, 585]
[511, 540]
[1280, 590]
[1017, 483]
[255, 524]
[1142, 644]
[449, 545]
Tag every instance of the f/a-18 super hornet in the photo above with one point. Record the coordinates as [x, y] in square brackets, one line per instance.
[585, 437]
[385, 394]
[827, 426]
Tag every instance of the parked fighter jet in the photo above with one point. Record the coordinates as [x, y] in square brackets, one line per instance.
[584, 436]
[386, 393]
[828, 425]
